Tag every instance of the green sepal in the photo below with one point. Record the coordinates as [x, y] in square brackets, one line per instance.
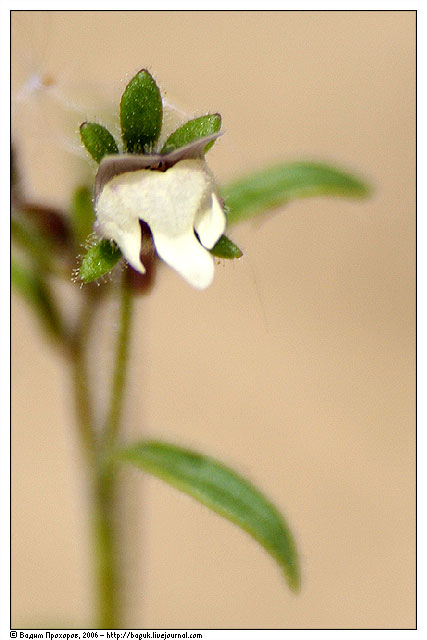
[278, 185]
[193, 130]
[225, 492]
[99, 260]
[98, 140]
[141, 113]
[224, 248]
[82, 213]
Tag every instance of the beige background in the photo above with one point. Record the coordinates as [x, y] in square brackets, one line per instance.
[296, 366]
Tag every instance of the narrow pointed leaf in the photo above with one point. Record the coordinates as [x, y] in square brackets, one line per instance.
[224, 248]
[273, 187]
[98, 140]
[99, 260]
[193, 130]
[31, 285]
[224, 491]
[141, 113]
[82, 213]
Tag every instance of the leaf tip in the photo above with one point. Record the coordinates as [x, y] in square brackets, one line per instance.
[293, 577]
[366, 189]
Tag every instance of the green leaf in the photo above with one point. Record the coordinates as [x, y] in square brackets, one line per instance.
[82, 213]
[34, 289]
[193, 130]
[224, 248]
[273, 187]
[223, 491]
[98, 140]
[141, 113]
[99, 260]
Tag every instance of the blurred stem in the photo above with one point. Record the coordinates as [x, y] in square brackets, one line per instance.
[81, 383]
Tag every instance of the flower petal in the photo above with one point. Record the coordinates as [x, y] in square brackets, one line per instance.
[170, 202]
[186, 255]
[126, 234]
[210, 222]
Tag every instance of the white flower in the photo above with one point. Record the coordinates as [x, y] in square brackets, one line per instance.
[174, 203]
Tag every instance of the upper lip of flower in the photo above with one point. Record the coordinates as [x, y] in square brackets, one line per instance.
[111, 166]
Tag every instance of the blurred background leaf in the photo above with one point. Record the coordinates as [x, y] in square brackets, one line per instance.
[32, 286]
[82, 213]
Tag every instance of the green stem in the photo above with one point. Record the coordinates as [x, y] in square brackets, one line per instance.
[106, 524]
[119, 375]
[98, 447]
[107, 569]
